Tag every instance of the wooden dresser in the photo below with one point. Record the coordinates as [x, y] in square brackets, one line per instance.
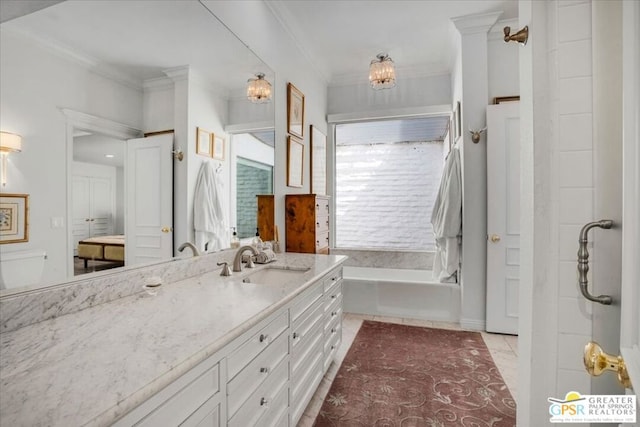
[307, 223]
[266, 216]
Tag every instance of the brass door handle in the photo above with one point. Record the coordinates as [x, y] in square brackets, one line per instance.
[166, 229]
[597, 361]
[494, 238]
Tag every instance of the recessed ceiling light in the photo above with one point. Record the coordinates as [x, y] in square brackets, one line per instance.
[109, 156]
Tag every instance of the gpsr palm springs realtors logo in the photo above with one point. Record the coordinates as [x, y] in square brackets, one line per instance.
[577, 408]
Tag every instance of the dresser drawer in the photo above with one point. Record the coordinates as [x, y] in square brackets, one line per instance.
[332, 296]
[305, 300]
[278, 413]
[260, 401]
[322, 206]
[305, 382]
[208, 415]
[244, 354]
[322, 240]
[255, 373]
[322, 224]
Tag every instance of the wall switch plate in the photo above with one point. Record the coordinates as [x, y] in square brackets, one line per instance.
[57, 222]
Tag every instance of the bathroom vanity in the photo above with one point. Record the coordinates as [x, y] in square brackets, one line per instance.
[204, 351]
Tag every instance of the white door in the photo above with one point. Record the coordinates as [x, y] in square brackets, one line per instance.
[149, 199]
[626, 301]
[630, 310]
[503, 217]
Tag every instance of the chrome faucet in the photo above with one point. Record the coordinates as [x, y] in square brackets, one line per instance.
[191, 246]
[237, 261]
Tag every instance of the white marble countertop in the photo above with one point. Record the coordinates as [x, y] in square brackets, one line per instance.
[93, 366]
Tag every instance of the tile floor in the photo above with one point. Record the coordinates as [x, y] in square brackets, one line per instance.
[503, 349]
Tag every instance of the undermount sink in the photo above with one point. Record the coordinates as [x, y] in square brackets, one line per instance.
[275, 275]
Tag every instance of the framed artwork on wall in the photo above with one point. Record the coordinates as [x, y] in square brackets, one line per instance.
[295, 111]
[203, 142]
[318, 162]
[14, 218]
[295, 160]
[217, 147]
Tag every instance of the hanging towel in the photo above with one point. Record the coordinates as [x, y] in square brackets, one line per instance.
[446, 219]
[209, 219]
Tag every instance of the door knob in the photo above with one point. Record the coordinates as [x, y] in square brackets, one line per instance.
[166, 229]
[494, 238]
[597, 361]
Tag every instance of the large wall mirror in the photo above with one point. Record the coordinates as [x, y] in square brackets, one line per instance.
[81, 80]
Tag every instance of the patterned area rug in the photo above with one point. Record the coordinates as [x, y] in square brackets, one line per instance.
[409, 376]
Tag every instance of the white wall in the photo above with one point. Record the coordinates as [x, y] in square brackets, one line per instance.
[408, 92]
[34, 84]
[504, 69]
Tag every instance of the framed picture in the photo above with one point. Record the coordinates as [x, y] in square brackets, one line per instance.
[295, 159]
[203, 142]
[318, 161]
[501, 99]
[218, 148]
[295, 111]
[14, 218]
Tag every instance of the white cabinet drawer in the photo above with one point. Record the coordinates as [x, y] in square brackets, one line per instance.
[304, 384]
[208, 415]
[244, 354]
[302, 355]
[240, 388]
[259, 403]
[306, 300]
[277, 414]
[331, 279]
[305, 323]
[183, 403]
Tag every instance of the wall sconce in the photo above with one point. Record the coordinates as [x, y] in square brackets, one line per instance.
[258, 89]
[9, 143]
[382, 72]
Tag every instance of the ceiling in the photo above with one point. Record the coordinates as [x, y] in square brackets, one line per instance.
[341, 37]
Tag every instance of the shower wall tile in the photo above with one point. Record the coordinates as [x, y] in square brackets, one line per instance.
[574, 315]
[576, 132]
[574, 22]
[570, 349]
[575, 169]
[576, 205]
[574, 59]
[575, 95]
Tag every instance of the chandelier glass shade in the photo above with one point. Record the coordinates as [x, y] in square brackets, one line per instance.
[382, 72]
[258, 89]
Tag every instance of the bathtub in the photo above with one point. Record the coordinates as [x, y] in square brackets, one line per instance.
[399, 293]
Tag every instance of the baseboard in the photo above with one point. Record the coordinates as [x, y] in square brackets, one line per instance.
[473, 324]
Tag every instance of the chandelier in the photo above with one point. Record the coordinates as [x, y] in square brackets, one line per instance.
[258, 89]
[382, 72]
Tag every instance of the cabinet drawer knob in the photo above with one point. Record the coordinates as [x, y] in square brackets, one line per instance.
[333, 330]
[264, 338]
[333, 313]
[334, 296]
[264, 370]
[296, 335]
[264, 401]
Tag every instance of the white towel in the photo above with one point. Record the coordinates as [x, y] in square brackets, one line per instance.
[446, 219]
[209, 220]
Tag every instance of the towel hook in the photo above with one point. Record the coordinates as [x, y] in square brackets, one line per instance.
[475, 134]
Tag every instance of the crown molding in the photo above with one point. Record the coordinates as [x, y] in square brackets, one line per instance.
[84, 60]
[99, 124]
[158, 83]
[296, 34]
[473, 24]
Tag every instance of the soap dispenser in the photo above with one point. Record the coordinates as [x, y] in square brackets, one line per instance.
[235, 242]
